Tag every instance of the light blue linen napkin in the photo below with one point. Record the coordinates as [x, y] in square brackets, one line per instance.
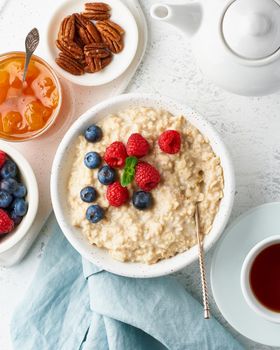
[69, 307]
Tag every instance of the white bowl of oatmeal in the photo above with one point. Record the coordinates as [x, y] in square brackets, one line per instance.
[161, 239]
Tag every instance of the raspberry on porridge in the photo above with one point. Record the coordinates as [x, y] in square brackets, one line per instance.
[155, 224]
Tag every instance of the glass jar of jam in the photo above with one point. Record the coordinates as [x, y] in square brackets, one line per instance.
[27, 109]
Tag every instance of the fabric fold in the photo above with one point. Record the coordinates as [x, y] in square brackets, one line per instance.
[69, 306]
[160, 308]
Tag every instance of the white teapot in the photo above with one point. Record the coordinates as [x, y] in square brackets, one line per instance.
[236, 42]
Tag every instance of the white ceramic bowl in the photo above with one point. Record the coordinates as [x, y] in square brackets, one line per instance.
[122, 16]
[29, 179]
[249, 296]
[61, 170]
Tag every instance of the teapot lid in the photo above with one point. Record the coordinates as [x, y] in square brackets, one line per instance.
[251, 28]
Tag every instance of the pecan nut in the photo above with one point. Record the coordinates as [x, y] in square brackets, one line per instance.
[72, 48]
[114, 46]
[80, 20]
[97, 11]
[84, 37]
[114, 25]
[93, 64]
[96, 15]
[99, 51]
[69, 64]
[106, 61]
[67, 29]
[78, 40]
[107, 31]
[97, 6]
[70, 28]
[62, 29]
[93, 32]
[95, 46]
[112, 35]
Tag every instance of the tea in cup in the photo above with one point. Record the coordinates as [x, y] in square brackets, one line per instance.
[260, 278]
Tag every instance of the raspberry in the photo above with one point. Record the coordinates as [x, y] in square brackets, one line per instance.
[3, 158]
[170, 141]
[6, 223]
[146, 176]
[137, 146]
[115, 155]
[116, 194]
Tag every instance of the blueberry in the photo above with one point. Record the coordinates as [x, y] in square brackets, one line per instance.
[93, 133]
[142, 200]
[19, 206]
[5, 199]
[10, 185]
[9, 169]
[16, 219]
[106, 175]
[94, 214]
[92, 160]
[21, 191]
[88, 194]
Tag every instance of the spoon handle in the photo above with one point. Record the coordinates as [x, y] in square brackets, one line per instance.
[31, 43]
[26, 64]
[202, 267]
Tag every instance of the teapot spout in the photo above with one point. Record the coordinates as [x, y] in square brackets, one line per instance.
[185, 16]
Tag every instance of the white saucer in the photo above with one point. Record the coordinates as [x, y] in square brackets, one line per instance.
[122, 16]
[236, 242]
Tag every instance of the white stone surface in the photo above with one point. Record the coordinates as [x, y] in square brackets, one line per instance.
[250, 127]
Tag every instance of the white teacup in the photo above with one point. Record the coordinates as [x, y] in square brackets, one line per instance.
[248, 294]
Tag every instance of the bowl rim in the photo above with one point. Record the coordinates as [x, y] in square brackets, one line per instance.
[56, 111]
[158, 101]
[33, 197]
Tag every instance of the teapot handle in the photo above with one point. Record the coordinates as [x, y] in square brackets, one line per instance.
[186, 17]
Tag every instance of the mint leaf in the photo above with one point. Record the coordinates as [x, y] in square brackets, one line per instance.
[130, 162]
[126, 179]
[129, 171]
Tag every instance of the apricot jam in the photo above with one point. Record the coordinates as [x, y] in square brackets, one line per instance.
[26, 109]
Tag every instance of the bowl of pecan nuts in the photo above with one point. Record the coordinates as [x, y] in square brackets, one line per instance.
[92, 43]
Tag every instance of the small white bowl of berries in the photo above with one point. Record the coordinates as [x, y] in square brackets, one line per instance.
[19, 197]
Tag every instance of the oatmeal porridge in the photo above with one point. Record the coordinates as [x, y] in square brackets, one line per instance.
[167, 227]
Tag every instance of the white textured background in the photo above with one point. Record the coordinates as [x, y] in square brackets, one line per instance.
[249, 126]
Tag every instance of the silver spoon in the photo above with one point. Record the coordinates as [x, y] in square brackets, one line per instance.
[202, 266]
[31, 43]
